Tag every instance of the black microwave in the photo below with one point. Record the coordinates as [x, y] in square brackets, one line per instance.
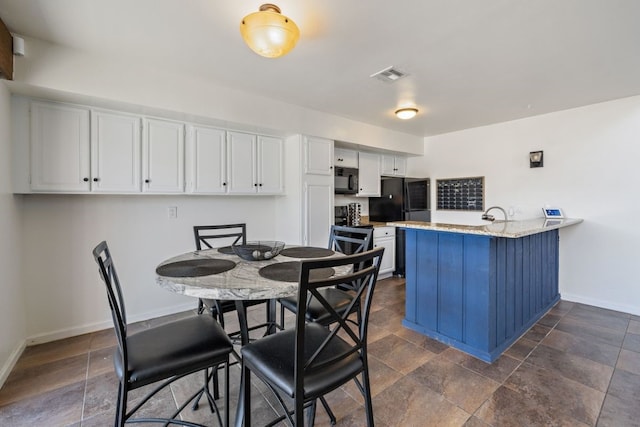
[346, 181]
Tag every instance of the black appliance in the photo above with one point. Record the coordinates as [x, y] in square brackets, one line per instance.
[341, 215]
[346, 180]
[402, 199]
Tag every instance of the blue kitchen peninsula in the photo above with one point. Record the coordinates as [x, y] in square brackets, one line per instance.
[479, 288]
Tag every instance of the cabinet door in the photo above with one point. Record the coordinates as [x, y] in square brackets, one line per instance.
[386, 237]
[317, 211]
[393, 166]
[401, 166]
[163, 157]
[241, 163]
[345, 158]
[59, 147]
[387, 165]
[206, 160]
[270, 160]
[318, 155]
[115, 153]
[369, 175]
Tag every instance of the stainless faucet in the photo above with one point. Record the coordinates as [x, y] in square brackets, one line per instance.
[488, 217]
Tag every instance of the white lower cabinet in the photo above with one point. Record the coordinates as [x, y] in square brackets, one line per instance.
[386, 237]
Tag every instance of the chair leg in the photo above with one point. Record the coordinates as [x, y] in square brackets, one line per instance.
[368, 407]
[330, 413]
[227, 410]
[246, 398]
[121, 405]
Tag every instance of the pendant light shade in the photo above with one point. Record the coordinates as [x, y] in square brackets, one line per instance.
[269, 33]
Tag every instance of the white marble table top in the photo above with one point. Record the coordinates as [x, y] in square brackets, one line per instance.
[243, 282]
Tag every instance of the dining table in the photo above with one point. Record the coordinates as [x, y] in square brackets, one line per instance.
[220, 274]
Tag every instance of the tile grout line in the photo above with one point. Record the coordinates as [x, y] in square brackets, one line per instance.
[86, 381]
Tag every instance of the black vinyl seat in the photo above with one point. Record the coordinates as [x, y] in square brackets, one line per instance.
[350, 240]
[164, 353]
[311, 360]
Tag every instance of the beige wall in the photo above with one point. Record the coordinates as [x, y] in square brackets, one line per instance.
[13, 311]
[591, 157]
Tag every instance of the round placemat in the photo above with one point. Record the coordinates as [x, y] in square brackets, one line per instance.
[307, 252]
[195, 267]
[290, 272]
[227, 250]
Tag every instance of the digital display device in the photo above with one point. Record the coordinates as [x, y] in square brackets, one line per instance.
[553, 213]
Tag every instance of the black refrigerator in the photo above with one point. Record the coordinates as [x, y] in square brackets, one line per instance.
[402, 199]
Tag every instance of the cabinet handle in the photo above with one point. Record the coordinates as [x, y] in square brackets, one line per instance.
[330, 167]
[147, 181]
[224, 183]
[255, 185]
[260, 185]
[96, 179]
[85, 179]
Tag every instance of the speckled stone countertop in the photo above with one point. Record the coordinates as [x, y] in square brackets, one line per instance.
[242, 282]
[509, 229]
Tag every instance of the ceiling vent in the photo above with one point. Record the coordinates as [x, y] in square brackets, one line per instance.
[389, 75]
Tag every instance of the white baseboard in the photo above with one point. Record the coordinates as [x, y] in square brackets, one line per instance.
[11, 362]
[106, 324]
[631, 309]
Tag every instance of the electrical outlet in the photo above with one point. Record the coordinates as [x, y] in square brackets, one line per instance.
[172, 212]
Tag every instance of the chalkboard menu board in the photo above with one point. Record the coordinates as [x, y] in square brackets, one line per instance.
[461, 194]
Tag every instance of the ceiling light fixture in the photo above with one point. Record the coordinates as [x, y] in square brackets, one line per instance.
[406, 113]
[269, 33]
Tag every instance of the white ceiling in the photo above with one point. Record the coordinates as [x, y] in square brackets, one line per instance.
[470, 62]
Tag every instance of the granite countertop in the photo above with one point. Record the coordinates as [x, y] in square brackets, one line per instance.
[509, 229]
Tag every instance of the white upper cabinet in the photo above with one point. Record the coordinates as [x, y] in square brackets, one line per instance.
[269, 165]
[318, 155]
[368, 175]
[254, 164]
[67, 148]
[345, 158]
[163, 157]
[59, 148]
[206, 160]
[241, 163]
[115, 152]
[393, 165]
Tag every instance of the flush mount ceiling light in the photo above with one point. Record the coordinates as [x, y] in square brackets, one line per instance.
[406, 113]
[269, 33]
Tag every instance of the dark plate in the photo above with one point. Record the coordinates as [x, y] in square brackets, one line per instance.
[307, 252]
[290, 272]
[195, 267]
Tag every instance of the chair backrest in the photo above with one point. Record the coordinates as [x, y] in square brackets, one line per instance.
[234, 233]
[108, 273]
[350, 240]
[352, 327]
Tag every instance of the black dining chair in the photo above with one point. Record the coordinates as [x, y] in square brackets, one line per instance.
[350, 240]
[161, 354]
[235, 233]
[307, 362]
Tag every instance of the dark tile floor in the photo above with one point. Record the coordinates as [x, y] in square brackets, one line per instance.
[578, 366]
